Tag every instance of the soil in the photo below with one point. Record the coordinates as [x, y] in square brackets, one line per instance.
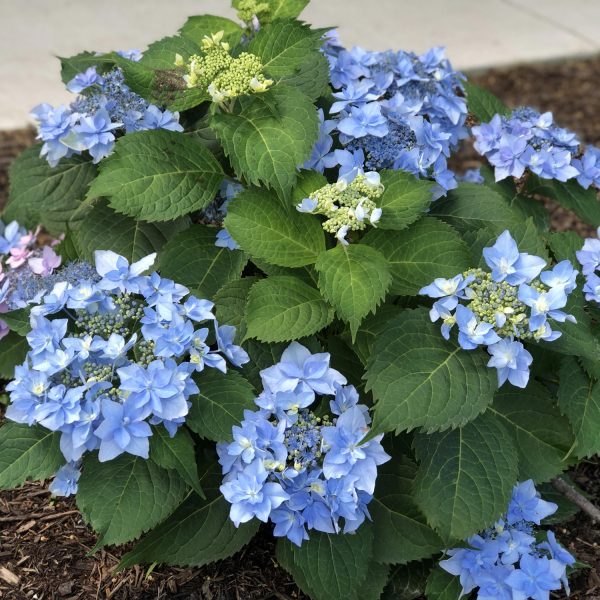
[44, 544]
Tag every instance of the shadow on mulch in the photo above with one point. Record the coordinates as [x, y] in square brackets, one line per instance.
[44, 544]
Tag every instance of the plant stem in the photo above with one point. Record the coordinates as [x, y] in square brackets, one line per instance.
[570, 493]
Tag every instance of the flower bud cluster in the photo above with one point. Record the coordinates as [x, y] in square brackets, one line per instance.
[295, 468]
[113, 355]
[347, 206]
[502, 308]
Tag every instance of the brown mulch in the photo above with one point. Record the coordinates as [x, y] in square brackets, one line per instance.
[44, 544]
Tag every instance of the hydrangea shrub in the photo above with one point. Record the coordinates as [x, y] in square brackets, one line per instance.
[261, 239]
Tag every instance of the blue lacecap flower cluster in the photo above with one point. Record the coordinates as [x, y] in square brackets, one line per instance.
[498, 308]
[589, 259]
[529, 140]
[507, 561]
[392, 110]
[105, 109]
[110, 355]
[298, 462]
[229, 190]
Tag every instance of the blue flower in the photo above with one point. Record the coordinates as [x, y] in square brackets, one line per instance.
[54, 125]
[536, 577]
[84, 80]
[93, 133]
[591, 288]
[117, 273]
[561, 275]
[512, 361]
[364, 120]
[473, 333]
[588, 168]
[589, 255]
[236, 354]
[65, 480]
[544, 305]
[133, 54]
[526, 505]
[224, 240]
[154, 118]
[507, 158]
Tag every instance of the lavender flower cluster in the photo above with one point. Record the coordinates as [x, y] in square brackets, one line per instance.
[22, 260]
[290, 465]
[105, 108]
[506, 561]
[529, 140]
[498, 308]
[112, 354]
[392, 110]
[589, 259]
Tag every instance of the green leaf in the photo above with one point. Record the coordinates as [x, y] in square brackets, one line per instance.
[158, 175]
[420, 380]
[471, 207]
[371, 328]
[13, 350]
[407, 582]
[192, 259]
[40, 193]
[329, 567]
[101, 228]
[404, 199]
[197, 533]
[264, 148]
[401, 533]
[125, 497]
[584, 203]
[230, 302]
[17, 320]
[282, 309]
[416, 256]
[308, 182]
[176, 453]
[161, 54]
[442, 586]
[354, 279]
[290, 53]
[564, 245]
[27, 454]
[465, 477]
[285, 9]
[266, 228]
[482, 104]
[220, 403]
[372, 587]
[195, 28]
[579, 400]
[72, 65]
[541, 435]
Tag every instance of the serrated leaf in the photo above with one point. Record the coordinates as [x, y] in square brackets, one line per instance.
[428, 249]
[407, 582]
[13, 350]
[355, 279]
[161, 54]
[17, 320]
[404, 200]
[400, 530]
[564, 245]
[370, 329]
[282, 309]
[442, 586]
[158, 176]
[127, 496]
[267, 228]
[220, 403]
[372, 587]
[40, 193]
[285, 9]
[579, 400]
[418, 379]
[482, 104]
[27, 454]
[192, 259]
[196, 27]
[197, 533]
[471, 207]
[465, 476]
[329, 567]
[230, 302]
[541, 435]
[176, 453]
[267, 149]
[101, 228]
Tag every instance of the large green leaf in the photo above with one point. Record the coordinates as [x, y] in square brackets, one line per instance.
[329, 567]
[420, 380]
[466, 476]
[428, 249]
[354, 279]
[267, 228]
[401, 533]
[176, 453]
[482, 104]
[18, 321]
[541, 435]
[220, 404]
[579, 400]
[27, 454]
[161, 54]
[192, 259]
[442, 586]
[279, 9]
[282, 309]
[231, 302]
[197, 533]
[195, 28]
[13, 349]
[99, 227]
[404, 200]
[372, 587]
[127, 496]
[158, 175]
[40, 193]
[267, 148]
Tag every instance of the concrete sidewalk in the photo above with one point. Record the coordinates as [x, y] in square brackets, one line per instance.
[477, 34]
